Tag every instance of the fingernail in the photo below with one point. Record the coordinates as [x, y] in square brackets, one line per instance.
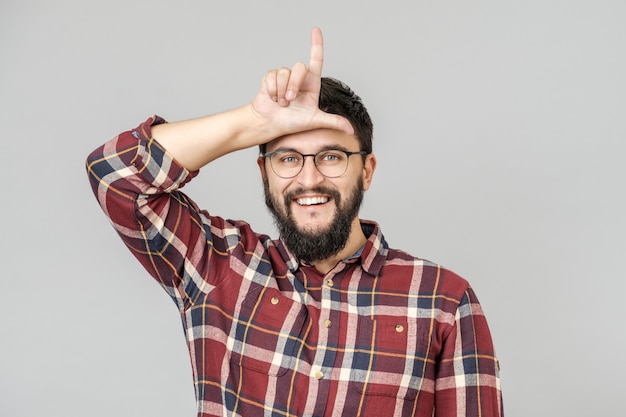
[290, 95]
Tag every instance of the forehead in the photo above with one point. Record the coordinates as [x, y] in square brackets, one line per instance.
[314, 140]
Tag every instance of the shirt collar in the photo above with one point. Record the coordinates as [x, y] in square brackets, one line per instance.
[374, 253]
[371, 255]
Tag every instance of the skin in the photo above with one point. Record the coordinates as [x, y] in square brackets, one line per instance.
[284, 112]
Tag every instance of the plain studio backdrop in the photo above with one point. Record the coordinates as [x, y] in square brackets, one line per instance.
[500, 135]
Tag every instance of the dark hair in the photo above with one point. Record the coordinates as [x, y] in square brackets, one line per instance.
[337, 98]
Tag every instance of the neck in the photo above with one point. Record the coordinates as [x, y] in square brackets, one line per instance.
[355, 241]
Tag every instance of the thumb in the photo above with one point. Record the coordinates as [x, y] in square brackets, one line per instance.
[323, 120]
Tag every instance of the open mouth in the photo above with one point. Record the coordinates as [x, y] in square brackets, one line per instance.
[312, 201]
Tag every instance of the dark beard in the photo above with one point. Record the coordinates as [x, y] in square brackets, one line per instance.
[309, 245]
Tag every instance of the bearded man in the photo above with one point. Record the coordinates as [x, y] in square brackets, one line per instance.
[326, 320]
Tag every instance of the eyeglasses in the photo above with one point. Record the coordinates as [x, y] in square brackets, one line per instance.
[331, 163]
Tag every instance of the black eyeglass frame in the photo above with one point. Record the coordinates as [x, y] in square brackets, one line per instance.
[313, 155]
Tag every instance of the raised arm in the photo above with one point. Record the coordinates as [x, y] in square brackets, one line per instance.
[287, 102]
[137, 183]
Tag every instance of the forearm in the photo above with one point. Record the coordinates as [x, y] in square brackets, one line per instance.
[196, 142]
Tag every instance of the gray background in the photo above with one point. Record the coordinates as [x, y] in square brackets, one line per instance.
[499, 132]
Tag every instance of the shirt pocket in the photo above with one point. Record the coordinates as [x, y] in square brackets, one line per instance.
[390, 357]
[268, 332]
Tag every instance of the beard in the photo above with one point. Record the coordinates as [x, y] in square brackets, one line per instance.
[311, 245]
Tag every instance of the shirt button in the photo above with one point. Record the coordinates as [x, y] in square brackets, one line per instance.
[319, 375]
[399, 328]
[274, 300]
[327, 323]
[330, 282]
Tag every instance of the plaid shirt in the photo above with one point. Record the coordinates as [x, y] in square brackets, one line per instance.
[382, 334]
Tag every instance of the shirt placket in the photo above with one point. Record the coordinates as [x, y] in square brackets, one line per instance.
[329, 338]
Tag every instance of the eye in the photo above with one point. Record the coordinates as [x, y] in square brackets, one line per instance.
[330, 157]
[287, 158]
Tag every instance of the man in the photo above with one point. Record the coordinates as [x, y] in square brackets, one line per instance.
[325, 321]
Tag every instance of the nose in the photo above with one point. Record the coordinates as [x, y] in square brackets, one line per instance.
[309, 176]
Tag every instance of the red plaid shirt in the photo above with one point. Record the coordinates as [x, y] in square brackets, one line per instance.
[382, 334]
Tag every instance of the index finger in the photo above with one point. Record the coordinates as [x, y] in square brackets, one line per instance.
[317, 52]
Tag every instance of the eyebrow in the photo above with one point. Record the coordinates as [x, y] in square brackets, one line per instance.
[323, 148]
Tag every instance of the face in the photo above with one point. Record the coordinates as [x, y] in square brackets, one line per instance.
[315, 214]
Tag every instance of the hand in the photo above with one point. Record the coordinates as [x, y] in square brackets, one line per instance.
[288, 98]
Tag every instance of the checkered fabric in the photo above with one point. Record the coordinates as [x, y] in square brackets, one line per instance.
[382, 334]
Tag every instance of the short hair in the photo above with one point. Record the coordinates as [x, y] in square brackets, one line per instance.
[337, 98]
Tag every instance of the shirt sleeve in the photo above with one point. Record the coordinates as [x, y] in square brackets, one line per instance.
[137, 183]
[468, 380]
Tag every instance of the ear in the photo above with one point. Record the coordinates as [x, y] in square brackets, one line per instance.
[369, 166]
[261, 163]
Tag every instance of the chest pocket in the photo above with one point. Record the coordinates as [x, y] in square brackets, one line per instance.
[390, 357]
[268, 332]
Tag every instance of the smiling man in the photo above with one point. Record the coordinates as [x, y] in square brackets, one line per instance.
[326, 320]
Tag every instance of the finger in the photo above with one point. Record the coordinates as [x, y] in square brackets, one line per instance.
[270, 85]
[317, 52]
[332, 121]
[282, 80]
[297, 77]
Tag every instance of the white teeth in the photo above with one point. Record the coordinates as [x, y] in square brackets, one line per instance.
[309, 201]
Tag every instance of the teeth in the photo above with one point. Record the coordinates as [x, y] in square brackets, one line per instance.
[309, 201]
